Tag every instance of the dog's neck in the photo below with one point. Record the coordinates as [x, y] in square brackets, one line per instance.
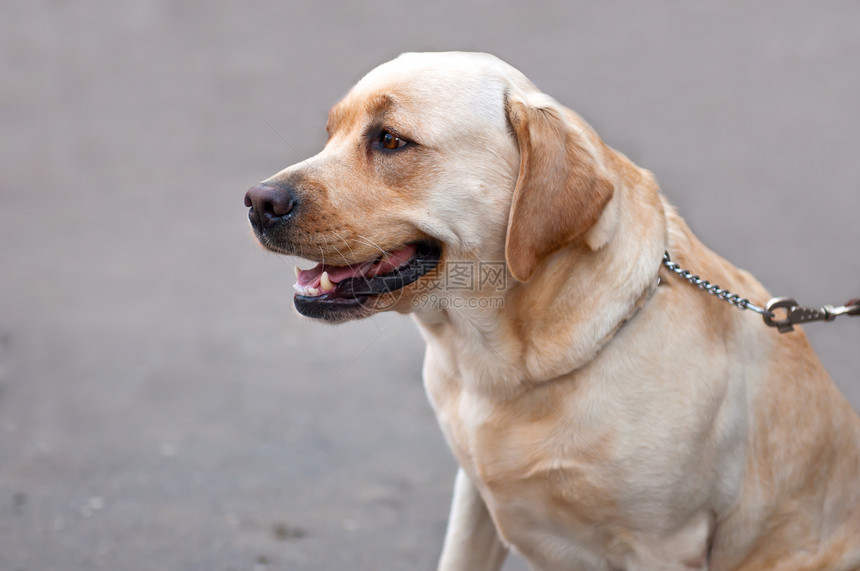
[571, 307]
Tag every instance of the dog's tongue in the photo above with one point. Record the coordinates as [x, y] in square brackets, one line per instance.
[311, 277]
[309, 280]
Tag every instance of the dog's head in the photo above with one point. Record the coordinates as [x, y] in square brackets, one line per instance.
[432, 159]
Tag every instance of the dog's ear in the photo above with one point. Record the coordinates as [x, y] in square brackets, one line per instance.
[560, 192]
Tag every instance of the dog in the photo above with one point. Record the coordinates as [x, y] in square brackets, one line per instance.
[604, 413]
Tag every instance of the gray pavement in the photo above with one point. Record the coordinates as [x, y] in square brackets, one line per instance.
[161, 405]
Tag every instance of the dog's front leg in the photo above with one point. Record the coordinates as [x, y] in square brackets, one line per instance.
[471, 542]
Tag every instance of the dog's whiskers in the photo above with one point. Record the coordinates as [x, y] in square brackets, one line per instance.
[342, 239]
[372, 244]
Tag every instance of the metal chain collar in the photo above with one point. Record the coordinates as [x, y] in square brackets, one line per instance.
[794, 313]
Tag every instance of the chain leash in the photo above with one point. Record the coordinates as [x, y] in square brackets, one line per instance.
[794, 313]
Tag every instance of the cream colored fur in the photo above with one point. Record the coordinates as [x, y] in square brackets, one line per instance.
[690, 437]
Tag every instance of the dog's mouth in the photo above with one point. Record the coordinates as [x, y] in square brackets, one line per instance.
[327, 287]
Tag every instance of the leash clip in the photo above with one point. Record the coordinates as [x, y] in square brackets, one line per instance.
[796, 314]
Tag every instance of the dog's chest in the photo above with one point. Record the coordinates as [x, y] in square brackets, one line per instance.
[549, 471]
[540, 477]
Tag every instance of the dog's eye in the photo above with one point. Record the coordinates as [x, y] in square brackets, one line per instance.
[390, 141]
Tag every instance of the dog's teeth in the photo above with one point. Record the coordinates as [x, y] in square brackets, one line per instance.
[298, 270]
[325, 282]
[313, 292]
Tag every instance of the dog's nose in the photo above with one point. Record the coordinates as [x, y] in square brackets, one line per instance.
[269, 204]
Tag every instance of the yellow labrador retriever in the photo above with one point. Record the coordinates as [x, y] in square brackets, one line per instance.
[605, 414]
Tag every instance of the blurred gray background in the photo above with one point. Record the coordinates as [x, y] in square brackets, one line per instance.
[161, 405]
